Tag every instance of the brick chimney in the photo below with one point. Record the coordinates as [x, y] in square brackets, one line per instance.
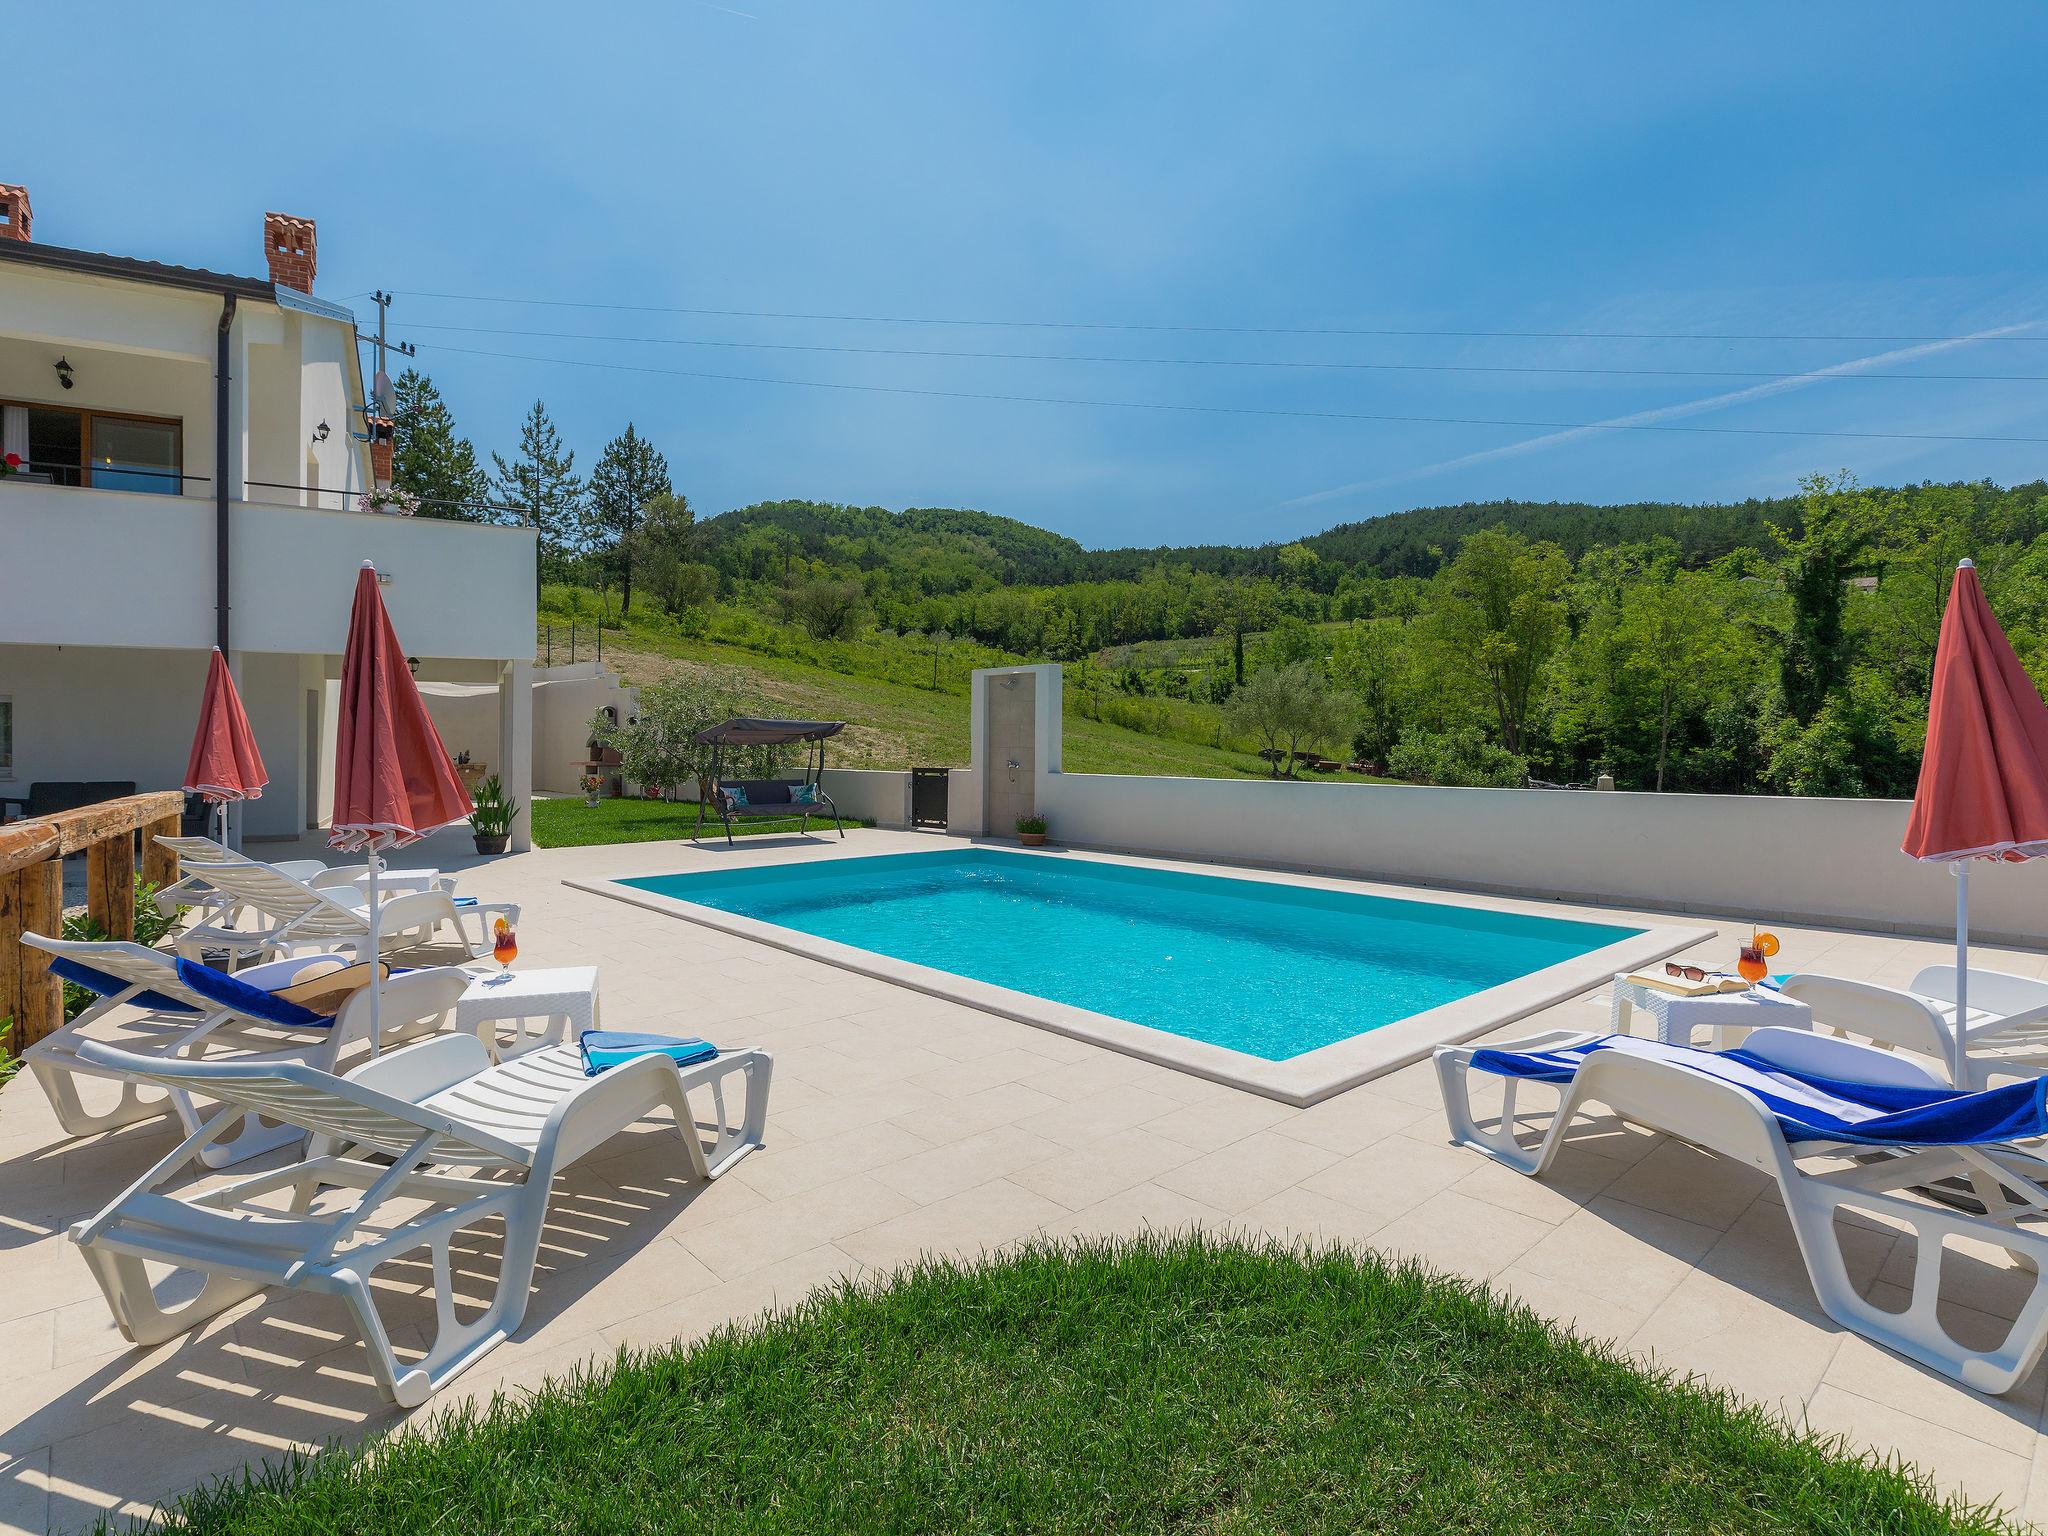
[380, 452]
[288, 245]
[14, 214]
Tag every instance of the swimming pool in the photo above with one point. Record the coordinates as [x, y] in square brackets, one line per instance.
[1264, 970]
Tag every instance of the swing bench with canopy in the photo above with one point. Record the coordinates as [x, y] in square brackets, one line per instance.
[743, 799]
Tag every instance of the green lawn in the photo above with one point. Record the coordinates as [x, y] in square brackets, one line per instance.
[1172, 1385]
[566, 822]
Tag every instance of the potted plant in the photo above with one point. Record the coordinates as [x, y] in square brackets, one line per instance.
[491, 817]
[593, 786]
[1031, 830]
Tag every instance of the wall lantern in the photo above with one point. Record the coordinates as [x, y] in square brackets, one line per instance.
[412, 665]
[64, 372]
[320, 432]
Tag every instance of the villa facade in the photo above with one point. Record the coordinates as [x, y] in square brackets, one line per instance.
[192, 455]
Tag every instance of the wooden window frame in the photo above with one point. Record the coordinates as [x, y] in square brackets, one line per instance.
[88, 414]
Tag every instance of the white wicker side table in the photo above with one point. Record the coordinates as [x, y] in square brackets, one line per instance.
[545, 1007]
[1726, 1016]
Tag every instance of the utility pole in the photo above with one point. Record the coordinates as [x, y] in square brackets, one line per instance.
[382, 410]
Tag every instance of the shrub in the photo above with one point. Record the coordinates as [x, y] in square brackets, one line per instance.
[1462, 757]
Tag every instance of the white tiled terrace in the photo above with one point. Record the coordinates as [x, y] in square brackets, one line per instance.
[901, 1123]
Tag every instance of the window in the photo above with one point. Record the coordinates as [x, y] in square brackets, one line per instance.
[103, 449]
[129, 455]
[6, 738]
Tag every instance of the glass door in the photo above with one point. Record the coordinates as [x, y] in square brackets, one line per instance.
[132, 455]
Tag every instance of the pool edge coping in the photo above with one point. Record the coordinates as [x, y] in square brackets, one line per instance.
[1299, 1081]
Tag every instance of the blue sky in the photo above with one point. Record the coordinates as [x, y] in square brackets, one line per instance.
[1830, 170]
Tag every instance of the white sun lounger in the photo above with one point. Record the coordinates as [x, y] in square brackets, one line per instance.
[437, 1133]
[192, 889]
[292, 913]
[2007, 1033]
[1666, 1088]
[150, 1013]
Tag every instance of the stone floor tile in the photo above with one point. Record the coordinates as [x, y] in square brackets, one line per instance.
[1247, 1171]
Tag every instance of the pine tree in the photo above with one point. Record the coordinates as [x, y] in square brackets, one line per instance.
[629, 474]
[543, 486]
[429, 460]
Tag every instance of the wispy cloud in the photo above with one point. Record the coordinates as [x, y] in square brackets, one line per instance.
[1660, 414]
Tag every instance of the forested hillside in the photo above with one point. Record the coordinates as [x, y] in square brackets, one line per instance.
[1781, 646]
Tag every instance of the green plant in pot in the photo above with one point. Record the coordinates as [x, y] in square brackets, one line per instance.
[491, 819]
[1030, 830]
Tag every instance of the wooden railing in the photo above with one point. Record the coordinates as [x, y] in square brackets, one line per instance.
[32, 892]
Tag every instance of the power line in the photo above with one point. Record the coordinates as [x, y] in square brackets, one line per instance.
[1210, 330]
[1228, 362]
[1238, 410]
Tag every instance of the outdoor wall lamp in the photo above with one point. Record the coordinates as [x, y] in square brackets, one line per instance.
[320, 432]
[64, 372]
[412, 665]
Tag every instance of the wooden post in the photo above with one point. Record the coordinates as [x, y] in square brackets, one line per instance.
[31, 901]
[159, 864]
[110, 884]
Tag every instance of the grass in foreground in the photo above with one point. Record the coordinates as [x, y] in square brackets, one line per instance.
[1168, 1385]
[566, 822]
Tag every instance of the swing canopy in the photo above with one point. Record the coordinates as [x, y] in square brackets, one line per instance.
[746, 732]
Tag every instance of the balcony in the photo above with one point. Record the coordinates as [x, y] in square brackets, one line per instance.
[124, 568]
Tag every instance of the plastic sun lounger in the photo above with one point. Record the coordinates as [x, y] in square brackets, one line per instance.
[2007, 1032]
[436, 1130]
[165, 1018]
[291, 912]
[1755, 1105]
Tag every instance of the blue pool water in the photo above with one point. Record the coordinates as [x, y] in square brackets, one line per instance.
[1268, 969]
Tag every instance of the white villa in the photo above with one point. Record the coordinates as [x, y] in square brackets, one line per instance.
[193, 451]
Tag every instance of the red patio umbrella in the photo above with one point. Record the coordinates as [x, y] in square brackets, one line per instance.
[393, 782]
[224, 764]
[1983, 791]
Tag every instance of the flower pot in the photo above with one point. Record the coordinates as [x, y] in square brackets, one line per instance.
[496, 844]
[1031, 839]
[591, 801]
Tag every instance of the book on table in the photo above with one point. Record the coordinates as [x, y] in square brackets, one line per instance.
[1678, 986]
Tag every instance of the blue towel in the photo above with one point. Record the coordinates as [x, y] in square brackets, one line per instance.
[1810, 1107]
[93, 980]
[604, 1048]
[248, 999]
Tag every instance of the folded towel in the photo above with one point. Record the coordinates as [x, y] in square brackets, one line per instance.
[604, 1048]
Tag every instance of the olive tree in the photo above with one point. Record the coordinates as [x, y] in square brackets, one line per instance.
[1290, 709]
[659, 746]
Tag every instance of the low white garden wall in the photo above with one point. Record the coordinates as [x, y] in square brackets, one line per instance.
[883, 794]
[1766, 858]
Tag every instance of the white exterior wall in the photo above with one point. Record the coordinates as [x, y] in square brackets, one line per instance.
[564, 699]
[1750, 856]
[87, 712]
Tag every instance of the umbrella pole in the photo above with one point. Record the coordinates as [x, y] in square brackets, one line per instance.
[1959, 1045]
[376, 964]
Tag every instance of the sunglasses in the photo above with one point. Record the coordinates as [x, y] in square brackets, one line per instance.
[1685, 972]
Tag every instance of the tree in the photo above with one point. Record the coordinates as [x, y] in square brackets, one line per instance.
[828, 609]
[1670, 636]
[629, 475]
[659, 747]
[543, 486]
[1499, 614]
[1838, 522]
[1290, 709]
[429, 460]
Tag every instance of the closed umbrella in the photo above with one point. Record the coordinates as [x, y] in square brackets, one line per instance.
[1983, 791]
[224, 764]
[393, 782]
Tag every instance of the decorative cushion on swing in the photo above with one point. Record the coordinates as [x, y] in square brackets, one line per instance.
[803, 794]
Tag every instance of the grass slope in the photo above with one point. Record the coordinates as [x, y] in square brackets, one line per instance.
[899, 725]
[1168, 1385]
